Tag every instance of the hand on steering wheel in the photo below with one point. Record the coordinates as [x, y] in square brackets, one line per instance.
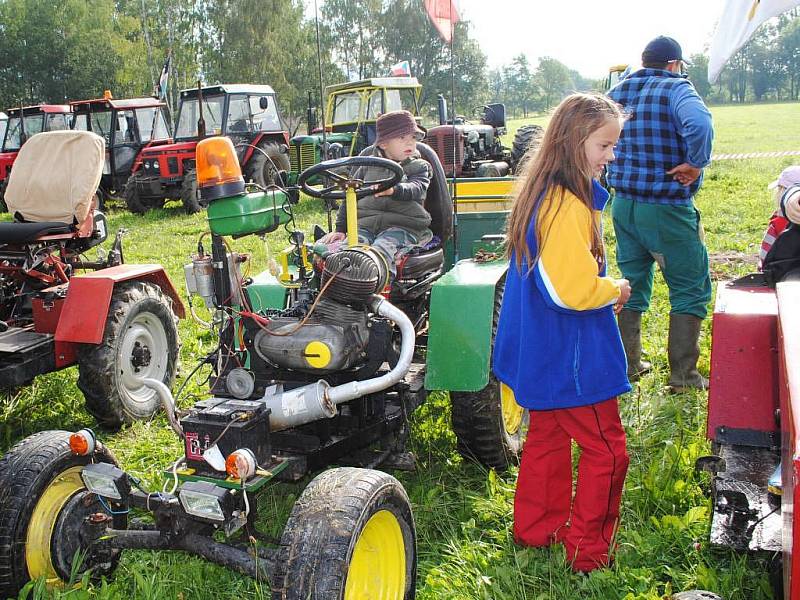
[328, 169]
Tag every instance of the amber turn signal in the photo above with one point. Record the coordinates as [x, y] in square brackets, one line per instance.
[83, 442]
[241, 464]
[218, 172]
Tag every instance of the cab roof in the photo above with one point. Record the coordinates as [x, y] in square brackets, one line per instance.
[229, 88]
[39, 109]
[104, 103]
[376, 82]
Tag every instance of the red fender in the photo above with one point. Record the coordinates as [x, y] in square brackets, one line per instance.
[83, 317]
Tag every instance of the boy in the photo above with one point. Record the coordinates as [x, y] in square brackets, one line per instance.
[395, 220]
[786, 193]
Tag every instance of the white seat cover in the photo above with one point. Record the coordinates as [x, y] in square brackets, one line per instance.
[55, 176]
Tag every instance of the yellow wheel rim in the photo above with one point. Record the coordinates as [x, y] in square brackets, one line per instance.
[378, 565]
[512, 412]
[38, 556]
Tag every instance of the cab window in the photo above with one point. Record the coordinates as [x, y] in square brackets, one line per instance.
[56, 122]
[346, 108]
[239, 114]
[80, 123]
[126, 127]
[152, 125]
[374, 105]
[265, 119]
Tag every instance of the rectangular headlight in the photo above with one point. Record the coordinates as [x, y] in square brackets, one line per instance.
[105, 480]
[204, 500]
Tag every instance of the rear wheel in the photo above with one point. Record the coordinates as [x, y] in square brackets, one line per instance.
[265, 163]
[350, 536]
[489, 424]
[140, 340]
[191, 204]
[525, 137]
[3, 186]
[42, 504]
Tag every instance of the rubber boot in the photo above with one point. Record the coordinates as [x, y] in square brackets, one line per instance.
[630, 328]
[683, 350]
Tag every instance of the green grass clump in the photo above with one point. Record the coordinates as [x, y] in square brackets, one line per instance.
[463, 512]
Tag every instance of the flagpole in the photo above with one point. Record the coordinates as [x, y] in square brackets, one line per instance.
[321, 89]
[455, 139]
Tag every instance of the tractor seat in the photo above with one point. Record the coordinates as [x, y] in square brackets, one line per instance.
[421, 261]
[21, 233]
[54, 179]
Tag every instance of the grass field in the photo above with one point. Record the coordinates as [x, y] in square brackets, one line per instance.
[463, 512]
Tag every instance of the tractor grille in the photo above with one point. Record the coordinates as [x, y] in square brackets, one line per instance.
[302, 156]
[441, 139]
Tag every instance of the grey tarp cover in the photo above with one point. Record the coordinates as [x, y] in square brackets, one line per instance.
[55, 176]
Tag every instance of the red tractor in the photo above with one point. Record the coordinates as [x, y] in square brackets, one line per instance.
[248, 114]
[116, 321]
[22, 124]
[127, 126]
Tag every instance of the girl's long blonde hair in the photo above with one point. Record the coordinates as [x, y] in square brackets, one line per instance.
[558, 165]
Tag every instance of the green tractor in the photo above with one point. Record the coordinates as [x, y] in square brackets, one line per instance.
[351, 110]
[319, 362]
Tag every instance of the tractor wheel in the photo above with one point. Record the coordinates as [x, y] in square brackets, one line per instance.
[133, 199]
[189, 193]
[262, 170]
[140, 340]
[101, 196]
[3, 186]
[350, 535]
[524, 138]
[42, 504]
[489, 425]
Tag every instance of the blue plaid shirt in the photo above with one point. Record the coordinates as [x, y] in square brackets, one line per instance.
[668, 125]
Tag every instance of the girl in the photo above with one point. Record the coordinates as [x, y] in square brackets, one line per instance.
[557, 346]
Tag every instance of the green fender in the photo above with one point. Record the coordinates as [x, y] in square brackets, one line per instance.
[460, 334]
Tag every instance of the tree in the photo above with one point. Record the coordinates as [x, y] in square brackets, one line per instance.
[698, 74]
[552, 77]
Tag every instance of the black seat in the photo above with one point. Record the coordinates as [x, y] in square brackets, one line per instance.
[20, 233]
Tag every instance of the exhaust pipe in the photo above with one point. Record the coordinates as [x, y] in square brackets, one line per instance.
[167, 402]
[442, 104]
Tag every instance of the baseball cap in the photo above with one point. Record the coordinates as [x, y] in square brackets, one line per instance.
[663, 49]
[789, 176]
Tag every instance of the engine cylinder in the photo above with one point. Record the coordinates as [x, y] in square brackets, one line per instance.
[358, 273]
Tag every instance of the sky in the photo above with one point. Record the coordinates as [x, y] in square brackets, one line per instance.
[587, 35]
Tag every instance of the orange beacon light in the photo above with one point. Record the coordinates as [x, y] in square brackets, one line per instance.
[218, 172]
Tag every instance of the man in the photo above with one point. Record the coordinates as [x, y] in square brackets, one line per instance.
[660, 156]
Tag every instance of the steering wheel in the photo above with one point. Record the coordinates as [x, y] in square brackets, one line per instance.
[340, 181]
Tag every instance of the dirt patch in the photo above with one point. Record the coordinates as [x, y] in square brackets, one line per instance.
[722, 264]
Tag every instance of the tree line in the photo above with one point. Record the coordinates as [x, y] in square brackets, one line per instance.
[76, 49]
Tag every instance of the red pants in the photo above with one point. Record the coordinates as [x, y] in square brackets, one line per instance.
[544, 510]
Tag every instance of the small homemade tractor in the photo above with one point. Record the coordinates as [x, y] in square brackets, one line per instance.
[22, 124]
[247, 114]
[754, 422]
[127, 126]
[117, 321]
[321, 360]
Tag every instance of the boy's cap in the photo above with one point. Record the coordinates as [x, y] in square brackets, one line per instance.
[663, 49]
[789, 176]
[397, 124]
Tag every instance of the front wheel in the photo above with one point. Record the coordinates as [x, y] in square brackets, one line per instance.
[351, 535]
[267, 160]
[191, 204]
[140, 341]
[43, 503]
[489, 424]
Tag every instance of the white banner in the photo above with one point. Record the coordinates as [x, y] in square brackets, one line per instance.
[739, 20]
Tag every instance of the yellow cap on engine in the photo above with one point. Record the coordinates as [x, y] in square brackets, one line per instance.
[317, 354]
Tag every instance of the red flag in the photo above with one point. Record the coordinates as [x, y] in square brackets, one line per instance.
[444, 16]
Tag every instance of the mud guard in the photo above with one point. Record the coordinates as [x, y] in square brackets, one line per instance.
[90, 295]
[460, 338]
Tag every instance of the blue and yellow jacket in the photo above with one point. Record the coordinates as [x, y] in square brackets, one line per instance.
[557, 343]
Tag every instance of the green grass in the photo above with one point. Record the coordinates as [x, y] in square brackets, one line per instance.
[464, 513]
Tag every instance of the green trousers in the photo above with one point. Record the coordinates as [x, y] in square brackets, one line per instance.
[671, 236]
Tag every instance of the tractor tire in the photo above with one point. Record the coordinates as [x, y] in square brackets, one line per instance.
[3, 186]
[525, 137]
[351, 534]
[191, 204]
[490, 426]
[133, 199]
[140, 340]
[42, 504]
[262, 170]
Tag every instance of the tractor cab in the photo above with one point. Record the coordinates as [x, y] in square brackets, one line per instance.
[247, 114]
[615, 74]
[351, 111]
[3, 124]
[127, 126]
[22, 124]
